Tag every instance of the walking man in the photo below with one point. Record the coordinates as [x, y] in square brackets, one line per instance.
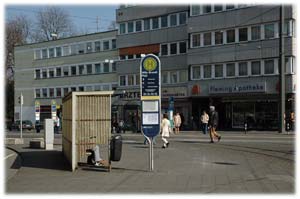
[204, 121]
[213, 123]
[165, 130]
[177, 122]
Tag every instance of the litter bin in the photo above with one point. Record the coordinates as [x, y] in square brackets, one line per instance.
[38, 127]
[116, 148]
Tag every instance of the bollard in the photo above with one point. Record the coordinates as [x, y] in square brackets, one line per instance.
[49, 134]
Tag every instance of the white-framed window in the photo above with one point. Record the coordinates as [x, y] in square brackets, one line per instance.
[37, 74]
[155, 23]
[230, 6]
[207, 71]
[138, 26]
[147, 23]
[98, 68]
[183, 76]
[255, 68]
[173, 48]
[66, 50]
[130, 27]
[173, 20]
[58, 71]
[207, 39]
[113, 43]
[164, 21]
[45, 53]
[58, 51]
[165, 77]
[122, 80]
[195, 10]
[206, 9]
[80, 88]
[230, 36]
[81, 48]
[182, 18]
[196, 40]
[218, 8]
[269, 31]
[44, 73]
[255, 32]
[218, 37]
[130, 80]
[122, 28]
[106, 67]
[73, 70]
[73, 49]
[66, 91]
[51, 52]
[89, 69]
[51, 72]
[182, 47]
[81, 70]
[97, 46]
[230, 69]
[66, 70]
[89, 47]
[243, 34]
[58, 92]
[269, 67]
[164, 49]
[218, 70]
[44, 92]
[243, 68]
[196, 72]
[37, 93]
[37, 54]
[106, 45]
[174, 77]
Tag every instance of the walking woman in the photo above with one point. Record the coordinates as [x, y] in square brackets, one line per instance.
[165, 130]
[213, 123]
[204, 121]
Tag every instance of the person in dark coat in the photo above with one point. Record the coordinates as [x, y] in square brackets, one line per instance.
[213, 124]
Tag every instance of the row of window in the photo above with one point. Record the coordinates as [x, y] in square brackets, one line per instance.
[81, 69]
[74, 49]
[129, 80]
[243, 34]
[206, 9]
[154, 23]
[63, 91]
[240, 69]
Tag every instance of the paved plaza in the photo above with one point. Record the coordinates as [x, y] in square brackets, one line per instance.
[257, 162]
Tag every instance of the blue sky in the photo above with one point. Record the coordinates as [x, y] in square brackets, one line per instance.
[83, 16]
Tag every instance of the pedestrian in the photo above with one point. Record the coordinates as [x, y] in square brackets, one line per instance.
[153, 140]
[204, 121]
[213, 123]
[165, 130]
[121, 126]
[177, 122]
[292, 119]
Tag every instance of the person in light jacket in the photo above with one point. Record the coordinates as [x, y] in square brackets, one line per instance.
[204, 121]
[177, 122]
[213, 124]
[165, 130]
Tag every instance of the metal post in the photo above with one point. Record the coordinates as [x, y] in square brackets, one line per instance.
[281, 72]
[21, 119]
[150, 153]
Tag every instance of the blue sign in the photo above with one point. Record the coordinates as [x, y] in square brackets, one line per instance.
[150, 95]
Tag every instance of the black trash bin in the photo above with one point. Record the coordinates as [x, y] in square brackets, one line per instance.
[37, 127]
[116, 148]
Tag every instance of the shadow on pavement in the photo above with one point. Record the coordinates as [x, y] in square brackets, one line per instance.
[44, 160]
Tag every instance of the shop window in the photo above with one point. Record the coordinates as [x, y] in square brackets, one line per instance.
[155, 24]
[230, 70]
[130, 27]
[206, 9]
[105, 45]
[51, 73]
[196, 40]
[45, 92]
[58, 92]
[173, 20]
[174, 77]
[98, 68]
[113, 43]
[89, 47]
[255, 68]
[66, 71]
[269, 67]
[97, 46]
[195, 10]
[218, 70]
[122, 28]
[58, 72]
[66, 91]
[269, 31]
[207, 71]
[218, 8]
[164, 49]
[243, 34]
[182, 18]
[80, 48]
[173, 49]
[146, 24]
[73, 70]
[219, 37]
[66, 50]
[44, 54]
[38, 74]
[182, 47]
[37, 54]
[89, 68]
[37, 93]
[106, 67]
[164, 21]
[138, 26]
[207, 39]
[255, 32]
[196, 72]
[123, 80]
[230, 36]
[58, 51]
[243, 69]
[44, 73]
[81, 69]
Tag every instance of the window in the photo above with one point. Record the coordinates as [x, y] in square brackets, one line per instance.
[195, 10]
[45, 92]
[51, 73]
[106, 67]
[230, 36]
[98, 68]
[206, 8]
[218, 70]
[89, 68]
[164, 21]
[66, 50]
[173, 77]
[182, 18]
[155, 23]
[130, 56]
[44, 54]
[98, 88]
[73, 49]
[164, 77]
[164, 49]
[58, 51]
[106, 45]
[130, 27]
[207, 39]
[81, 69]
[38, 74]
[196, 72]
[73, 70]
[173, 49]
[105, 88]
[130, 80]
[37, 93]
[114, 67]
[269, 67]
[137, 79]
[230, 70]
[196, 40]
[44, 73]
[182, 76]
[122, 28]
[123, 80]
[255, 32]
[207, 71]
[229, 6]
[58, 72]
[138, 26]
[80, 48]
[288, 28]
[173, 20]
[89, 88]
[97, 46]
[182, 47]
[51, 52]
[73, 88]
[269, 31]
[138, 56]
[37, 54]
[66, 71]
[219, 37]
[81, 88]
[218, 8]
[58, 92]
[146, 24]
[113, 44]
[89, 47]
[122, 57]
[243, 34]
[66, 91]
[243, 69]
[255, 68]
